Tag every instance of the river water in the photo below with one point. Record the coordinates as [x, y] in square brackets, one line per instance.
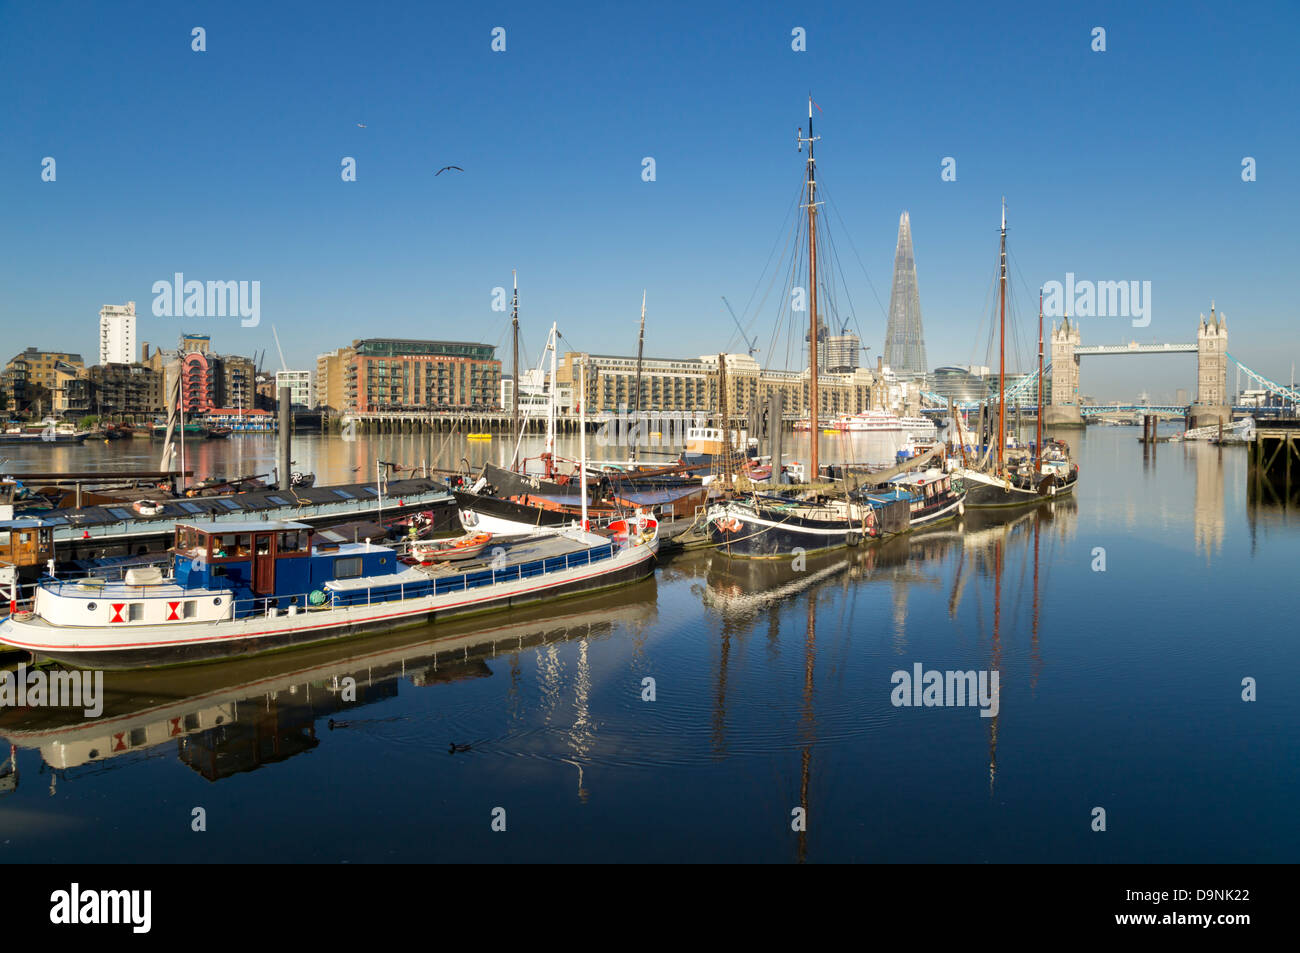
[1121, 624]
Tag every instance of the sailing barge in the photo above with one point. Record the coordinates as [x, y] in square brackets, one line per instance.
[244, 588]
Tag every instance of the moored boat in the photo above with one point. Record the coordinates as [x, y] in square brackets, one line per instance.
[242, 589]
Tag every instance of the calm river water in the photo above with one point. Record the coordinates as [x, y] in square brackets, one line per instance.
[1121, 623]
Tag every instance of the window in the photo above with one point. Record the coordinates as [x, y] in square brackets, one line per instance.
[263, 542]
[347, 567]
[135, 612]
[293, 541]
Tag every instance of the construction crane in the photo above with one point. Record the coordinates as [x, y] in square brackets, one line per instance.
[743, 336]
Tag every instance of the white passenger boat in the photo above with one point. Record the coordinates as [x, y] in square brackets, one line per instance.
[239, 589]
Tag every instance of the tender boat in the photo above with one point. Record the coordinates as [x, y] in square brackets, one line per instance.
[240, 589]
[444, 550]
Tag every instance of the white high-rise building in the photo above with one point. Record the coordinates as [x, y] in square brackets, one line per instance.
[299, 384]
[117, 333]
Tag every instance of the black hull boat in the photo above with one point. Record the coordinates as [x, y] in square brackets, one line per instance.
[987, 491]
[490, 514]
[507, 483]
[772, 528]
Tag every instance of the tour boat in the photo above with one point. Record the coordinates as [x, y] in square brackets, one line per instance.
[240, 589]
[870, 421]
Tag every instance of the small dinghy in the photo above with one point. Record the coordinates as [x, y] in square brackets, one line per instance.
[147, 507]
[463, 547]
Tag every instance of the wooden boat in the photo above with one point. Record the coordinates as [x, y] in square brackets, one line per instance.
[768, 526]
[462, 547]
[1026, 481]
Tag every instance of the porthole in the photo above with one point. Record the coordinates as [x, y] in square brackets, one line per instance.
[91, 606]
[216, 601]
[94, 752]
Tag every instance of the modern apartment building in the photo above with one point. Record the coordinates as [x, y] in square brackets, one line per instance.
[691, 385]
[332, 379]
[299, 384]
[115, 389]
[117, 333]
[395, 374]
[33, 380]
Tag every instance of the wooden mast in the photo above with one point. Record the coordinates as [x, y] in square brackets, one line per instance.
[814, 429]
[514, 432]
[1038, 436]
[636, 399]
[1002, 343]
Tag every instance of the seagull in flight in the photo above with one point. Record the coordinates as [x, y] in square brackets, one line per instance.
[361, 125]
[445, 168]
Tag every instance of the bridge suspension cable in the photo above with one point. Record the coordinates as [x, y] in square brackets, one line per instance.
[1290, 393]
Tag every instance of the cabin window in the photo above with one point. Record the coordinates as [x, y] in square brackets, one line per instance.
[264, 545]
[293, 541]
[25, 537]
[135, 612]
[230, 546]
[187, 608]
[347, 567]
[6, 538]
[139, 736]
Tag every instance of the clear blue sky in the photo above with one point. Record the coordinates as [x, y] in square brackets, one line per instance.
[225, 165]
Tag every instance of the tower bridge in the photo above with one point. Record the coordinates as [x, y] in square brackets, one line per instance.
[1212, 361]
[1210, 347]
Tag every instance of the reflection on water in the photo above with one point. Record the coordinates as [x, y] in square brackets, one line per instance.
[771, 734]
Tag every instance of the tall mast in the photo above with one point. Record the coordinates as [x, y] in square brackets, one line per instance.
[1002, 342]
[813, 428]
[554, 344]
[514, 320]
[1038, 436]
[636, 399]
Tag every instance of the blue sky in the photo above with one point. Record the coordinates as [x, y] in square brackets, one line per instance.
[225, 165]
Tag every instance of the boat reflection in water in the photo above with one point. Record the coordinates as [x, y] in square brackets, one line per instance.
[744, 591]
[229, 718]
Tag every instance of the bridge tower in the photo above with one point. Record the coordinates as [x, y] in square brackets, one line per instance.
[1063, 411]
[1212, 403]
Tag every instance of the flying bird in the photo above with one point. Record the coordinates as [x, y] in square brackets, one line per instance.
[361, 125]
[445, 168]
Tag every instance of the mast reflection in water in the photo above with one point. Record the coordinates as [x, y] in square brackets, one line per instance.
[688, 717]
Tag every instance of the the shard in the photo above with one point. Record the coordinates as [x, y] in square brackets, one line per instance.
[904, 337]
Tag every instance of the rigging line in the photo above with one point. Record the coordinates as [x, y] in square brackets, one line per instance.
[791, 248]
[796, 258]
[835, 262]
[883, 312]
[791, 211]
[837, 266]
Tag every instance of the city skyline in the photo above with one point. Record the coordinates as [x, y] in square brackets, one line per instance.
[225, 165]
